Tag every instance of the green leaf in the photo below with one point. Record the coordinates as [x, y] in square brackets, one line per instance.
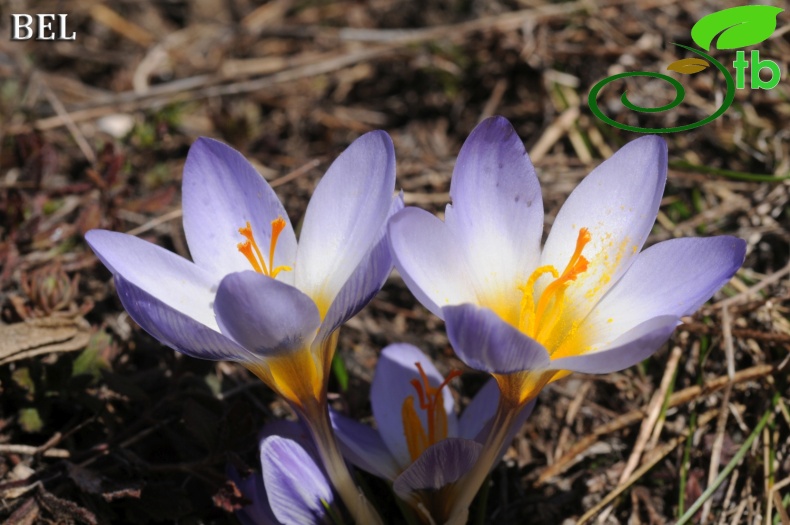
[340, 372]
[30, 420]
[739, 26]
[90, 360]
[21, 377]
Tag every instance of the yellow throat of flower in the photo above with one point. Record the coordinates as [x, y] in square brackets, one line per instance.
[550, 321]
[541, 320]
[432, 402]
[250, 250]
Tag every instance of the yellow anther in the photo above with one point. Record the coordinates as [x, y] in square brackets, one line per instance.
[416, 439]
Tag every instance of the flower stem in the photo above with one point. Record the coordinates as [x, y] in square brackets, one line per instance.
[316, 417]
[468, 486]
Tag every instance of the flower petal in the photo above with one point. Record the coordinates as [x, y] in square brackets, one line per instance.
[430, 259]
[168, 296]
[366, 281]
[174, 328]
[266, 316]
[221, 192]
[169, 278]
[440, 465]
[618, 203]
[674, 277]
[497, 209]
[364, 447]
[637, 344]
[296, 486]
[391, 386]
[479, 412]
[482, 340]
[344, 217]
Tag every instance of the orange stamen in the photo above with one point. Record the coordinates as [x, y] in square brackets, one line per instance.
[578, 264]
[250, 249]
[278, 225]
[432, 402]
[246, 249]
[539, 321]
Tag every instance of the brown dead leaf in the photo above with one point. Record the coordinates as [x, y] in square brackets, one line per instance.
[42, 336]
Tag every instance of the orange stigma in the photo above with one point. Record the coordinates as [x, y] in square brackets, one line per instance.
[538, 321]
[250, 250]
[432, 402]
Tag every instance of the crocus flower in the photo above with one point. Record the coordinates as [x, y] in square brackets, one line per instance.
[590, 301]
[252, 293]
[420, 444]
[292, 488]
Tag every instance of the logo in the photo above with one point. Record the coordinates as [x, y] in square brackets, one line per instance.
[737, 27]
[42, 27]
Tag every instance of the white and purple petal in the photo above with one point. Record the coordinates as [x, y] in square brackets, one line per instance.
[482, 340]
[169, 278]
[431, 260]
[366, 281]
[345, 216]
[297, 488]
[267, 317]
[176, 329]
[673, 277]
[618, 203]
[635, 345]
[221, 192]
[497, 209]
[168, 296]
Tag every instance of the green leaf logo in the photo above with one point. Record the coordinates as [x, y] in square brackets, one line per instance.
[739, 26]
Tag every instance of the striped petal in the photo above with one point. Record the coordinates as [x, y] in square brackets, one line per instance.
[297, 488]
[267, 317]
[440, 465]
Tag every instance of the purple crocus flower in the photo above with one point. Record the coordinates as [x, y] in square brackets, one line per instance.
[252, 293]
[421, 445]
[590, 301]
[292, 488]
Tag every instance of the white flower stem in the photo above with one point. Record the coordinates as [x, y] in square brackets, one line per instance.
[317, 419]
